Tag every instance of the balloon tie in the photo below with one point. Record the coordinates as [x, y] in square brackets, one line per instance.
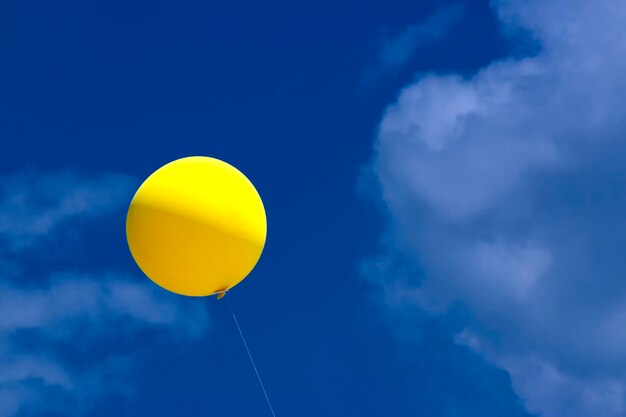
[256, 371]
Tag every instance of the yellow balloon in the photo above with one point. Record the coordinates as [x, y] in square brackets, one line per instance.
[196, 226]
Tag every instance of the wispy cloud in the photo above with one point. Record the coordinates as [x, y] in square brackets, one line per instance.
[33, 204]
[71, 306]
[69, 298]
[92, 310]
[506, 189]
[397, 48]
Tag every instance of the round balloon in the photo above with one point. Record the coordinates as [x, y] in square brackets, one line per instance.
[196, 226]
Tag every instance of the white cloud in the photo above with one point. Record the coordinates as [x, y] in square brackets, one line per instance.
[397, 50]
[506, 188]
[25, 368]
[90, 310]
[85, 310]
[33, 204]
[97, 298]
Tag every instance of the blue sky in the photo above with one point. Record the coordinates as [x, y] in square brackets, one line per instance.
[444, 188]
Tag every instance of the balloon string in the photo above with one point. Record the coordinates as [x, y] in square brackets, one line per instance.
[256, 371]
